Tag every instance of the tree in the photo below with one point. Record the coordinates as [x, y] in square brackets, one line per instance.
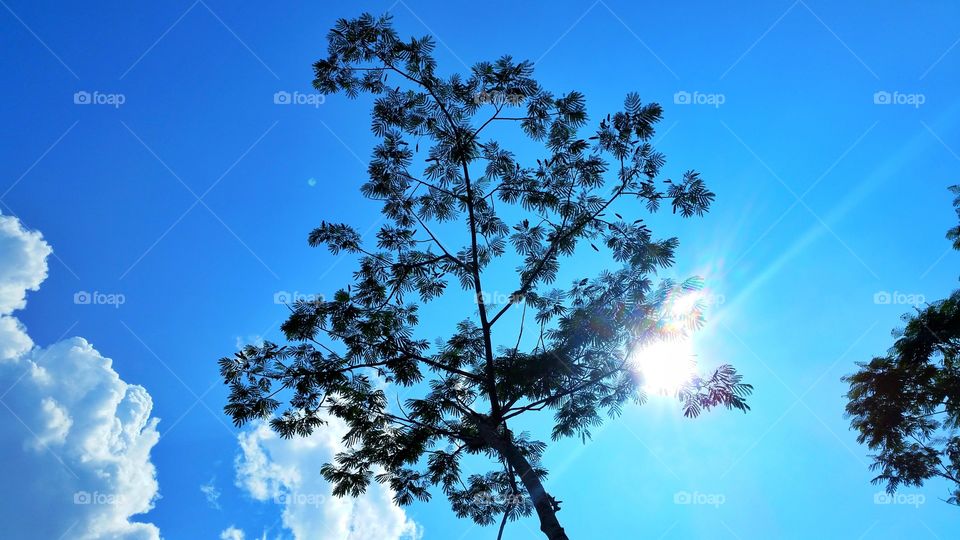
[475, 383]
[906, 404]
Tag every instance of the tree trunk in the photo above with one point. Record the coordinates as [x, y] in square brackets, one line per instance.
[542, 501]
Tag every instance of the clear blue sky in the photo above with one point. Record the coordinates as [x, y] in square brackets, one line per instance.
[825, 200]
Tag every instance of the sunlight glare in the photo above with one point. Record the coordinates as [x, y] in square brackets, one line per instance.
[664, 365]
[685, 304]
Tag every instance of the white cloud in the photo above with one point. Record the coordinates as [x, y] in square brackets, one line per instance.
[212, 494]
[24, 266]
[288, 472]
[75, 439]
[231, 533]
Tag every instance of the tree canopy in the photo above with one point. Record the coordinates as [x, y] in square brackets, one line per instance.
[435, 170]
[906, 404]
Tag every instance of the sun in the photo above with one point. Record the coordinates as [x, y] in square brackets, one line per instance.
[664, 366]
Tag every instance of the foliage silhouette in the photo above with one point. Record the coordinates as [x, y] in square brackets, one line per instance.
[473, 384]
[906, 404]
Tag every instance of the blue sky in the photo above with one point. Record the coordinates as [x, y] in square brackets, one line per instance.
[829, 132]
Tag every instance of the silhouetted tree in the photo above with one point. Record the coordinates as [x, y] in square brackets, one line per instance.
[482, 377]
[906, 404]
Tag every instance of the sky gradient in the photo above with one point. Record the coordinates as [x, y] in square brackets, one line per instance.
[147, 145]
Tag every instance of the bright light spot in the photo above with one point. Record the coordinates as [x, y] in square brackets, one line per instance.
[684, 305]
[664, 365]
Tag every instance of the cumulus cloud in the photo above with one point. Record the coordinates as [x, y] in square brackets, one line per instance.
[24, 266]
[75, 439]
[287, 472]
